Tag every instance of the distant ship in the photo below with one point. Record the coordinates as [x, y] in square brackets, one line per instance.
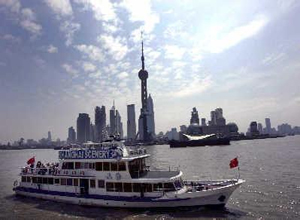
[113, 175]
[200, 140]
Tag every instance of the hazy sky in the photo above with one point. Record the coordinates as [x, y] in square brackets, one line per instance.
[61, 57]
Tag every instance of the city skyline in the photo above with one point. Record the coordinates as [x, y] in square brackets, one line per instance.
[64, 57]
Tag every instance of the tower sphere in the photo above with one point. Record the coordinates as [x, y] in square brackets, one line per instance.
[143, 74]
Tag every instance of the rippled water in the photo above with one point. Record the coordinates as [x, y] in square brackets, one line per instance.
[271, 168]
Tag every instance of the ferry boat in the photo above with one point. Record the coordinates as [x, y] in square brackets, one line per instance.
[113, 175]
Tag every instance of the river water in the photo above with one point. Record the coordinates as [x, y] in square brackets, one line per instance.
[271, 168]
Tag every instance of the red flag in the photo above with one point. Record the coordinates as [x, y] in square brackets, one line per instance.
[234, 163]
[31, 161]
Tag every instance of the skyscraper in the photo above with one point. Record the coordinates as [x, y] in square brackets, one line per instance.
[203, 122]
[83, 128]
[71, 135]
[119, 125]
[112, 120]
[143, 122]
[49, 139]
[150, 117]
[131, 124]
[268, 125]
[194, 117]
[100, 124]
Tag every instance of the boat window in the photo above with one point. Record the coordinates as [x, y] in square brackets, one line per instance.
[45, 180]
[99, 166]
[92, 166]
[69, 182]
[75, 182]
[121, 166]
[110, 187]
[106, 166]
[113, 166]
[86, 165]
[63, 181]
[39, 180]
[118, 187]
[34, 179]
[136, 187]
[77, 165]
[50, 181]
[68, 165]
[92, 183]
[28, 179]
[101, 183]
[23, 178]
[148, 187]
[127, 187]
[157, 187]
[169, 187]
[56, 181]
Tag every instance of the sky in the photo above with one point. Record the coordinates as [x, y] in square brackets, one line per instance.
[62, 57]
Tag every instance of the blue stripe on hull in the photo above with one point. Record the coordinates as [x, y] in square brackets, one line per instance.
[94, 196]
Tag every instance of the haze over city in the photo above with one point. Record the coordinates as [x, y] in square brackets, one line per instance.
[60, 58]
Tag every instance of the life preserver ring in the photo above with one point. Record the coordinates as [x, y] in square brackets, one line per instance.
[81, 172]
[16, 183]
[73, 172]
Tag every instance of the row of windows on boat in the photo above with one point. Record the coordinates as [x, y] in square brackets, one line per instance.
[99, 166]
[110, 186]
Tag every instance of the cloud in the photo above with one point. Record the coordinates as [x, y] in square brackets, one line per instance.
[174, 52]
[11, 38]
[116, 46]
[69, 28]
[70, 70]
[122, 75]
[52, 49]
[231, 38]
[271, 58]
[95, 75]
[141, 11]
[13, 5]
[25, 16]
[193, 88]
[60, 7]
[91, 51]
[88, 67]
[103, 9]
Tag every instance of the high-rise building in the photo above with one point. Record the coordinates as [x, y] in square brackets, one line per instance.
[253, 128]
[100, 124]
[83, 128]
[194, 117]
[260, 128]
[268, 125]
[71, 135]
[119, 125]
[49, 139]
[131, 124]
[213, 118]
[203, 122]
[112, 120]
[150, 117]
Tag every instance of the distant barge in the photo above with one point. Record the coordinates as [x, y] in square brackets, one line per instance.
[204, 140]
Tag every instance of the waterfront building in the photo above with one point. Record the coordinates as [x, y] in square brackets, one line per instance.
[285, 129]
[131, 123]
[260, 128]
[203, 122]
[150, 117]
[112, 120]
[268, 126]
[194, 117]
[100, 124]
[71, 135]
[253, 129]
[119, 125]
[49, 139]
[83, 128]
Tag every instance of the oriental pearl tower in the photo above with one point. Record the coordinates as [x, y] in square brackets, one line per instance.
[143, 75]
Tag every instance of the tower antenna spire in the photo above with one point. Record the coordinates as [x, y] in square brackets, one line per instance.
[142, 58]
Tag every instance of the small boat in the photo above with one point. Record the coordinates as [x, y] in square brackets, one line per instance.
[203, 140]
[112, 175]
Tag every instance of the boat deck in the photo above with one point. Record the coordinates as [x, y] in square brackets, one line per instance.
[158, 174]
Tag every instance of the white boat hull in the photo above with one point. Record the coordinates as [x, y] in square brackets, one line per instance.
[212, 197]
